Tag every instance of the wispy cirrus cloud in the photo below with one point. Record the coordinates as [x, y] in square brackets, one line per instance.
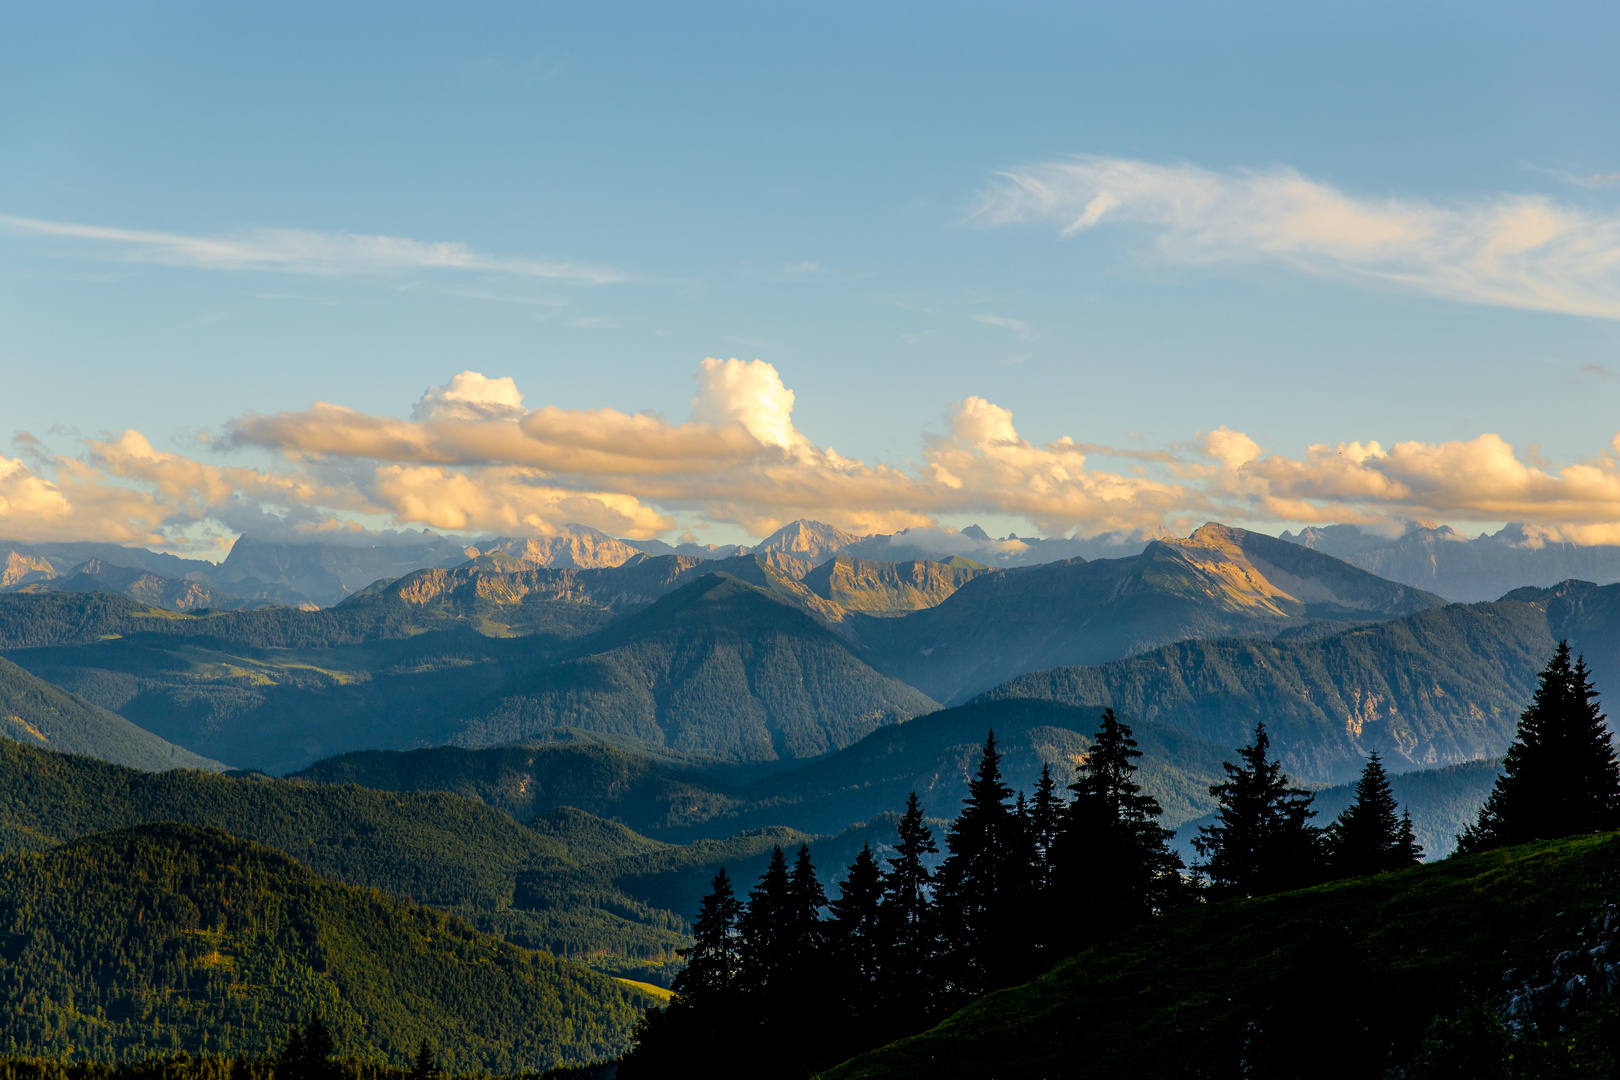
[304, 252]
[1522, 251]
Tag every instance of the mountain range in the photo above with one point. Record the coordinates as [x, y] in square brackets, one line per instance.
[1442, 560]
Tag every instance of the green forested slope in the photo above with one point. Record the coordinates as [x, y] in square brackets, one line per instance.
[35, 712]
[1436, 688]
[433, 848]
[718, 667]
[168, 937]
[1339, 980]
[648, 792]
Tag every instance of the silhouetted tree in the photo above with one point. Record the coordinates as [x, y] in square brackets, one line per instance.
[1045, 817]
[1111, 860]
[1411, 851]
[1560, 777]
[804, 993]
[857, 945]
[767, 928]
[1262, 840]
[307, 1056]
[975, 902]
[906, 922]
[1368, 838]
[707, 991]
[714, 959]
[426, 1065]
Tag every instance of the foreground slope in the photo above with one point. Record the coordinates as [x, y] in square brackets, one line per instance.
[168, 937]
[35, 712]
[1219, 582]
[1345, 977]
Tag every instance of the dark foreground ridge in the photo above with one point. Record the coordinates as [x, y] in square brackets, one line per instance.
[1349, 977]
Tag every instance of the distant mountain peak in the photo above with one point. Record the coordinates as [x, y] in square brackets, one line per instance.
[813, 540]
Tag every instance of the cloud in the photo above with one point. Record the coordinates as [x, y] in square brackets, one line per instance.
[1521, 251]
[304, 252]
[473, 458]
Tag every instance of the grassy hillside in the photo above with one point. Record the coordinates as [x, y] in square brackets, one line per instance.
[718, 667]
[35, 712]
[1437, 688]
[168, 937]
[1340, 980]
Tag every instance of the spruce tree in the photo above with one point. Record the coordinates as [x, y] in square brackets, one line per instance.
[767, 932]
[1410, 850]
[1560, 777]
[855, 936]
[1111, 862]
[1368, 838]
[906, 920]
[426, 1065]
[707, 992]
[1045, 818]
[805, 992]
[976, 903]
[857, 945]
[1262, 840]
[710, 979]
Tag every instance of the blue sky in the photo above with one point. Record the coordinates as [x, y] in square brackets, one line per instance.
[826, 189]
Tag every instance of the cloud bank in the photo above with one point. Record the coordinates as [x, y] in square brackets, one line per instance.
[474, 457]
[1522, 251]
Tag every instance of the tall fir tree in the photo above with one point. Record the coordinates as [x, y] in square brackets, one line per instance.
[1112, 864]
[1368, 838]
[906, 922]
[805, 993]
[767, 931]
[1262, 840]
[1560, 776]
[856, 942]
[707, 993]
[714, 959]
[975, 890]
[1045, 818]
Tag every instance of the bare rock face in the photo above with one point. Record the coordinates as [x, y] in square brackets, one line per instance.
[889, 588]
[809, 540]
[20, 569]
[575, 545]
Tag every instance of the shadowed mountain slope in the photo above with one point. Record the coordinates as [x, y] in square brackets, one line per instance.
[1217, 583]
[718, 667]
[1443, 686]
[34, 712]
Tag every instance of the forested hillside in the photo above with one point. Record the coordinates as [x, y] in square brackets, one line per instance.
[1219, 582]
[1436, 688]
[718, 667]
[35, 712]
[169, 938]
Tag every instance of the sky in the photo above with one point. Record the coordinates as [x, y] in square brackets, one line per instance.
[699, 270]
